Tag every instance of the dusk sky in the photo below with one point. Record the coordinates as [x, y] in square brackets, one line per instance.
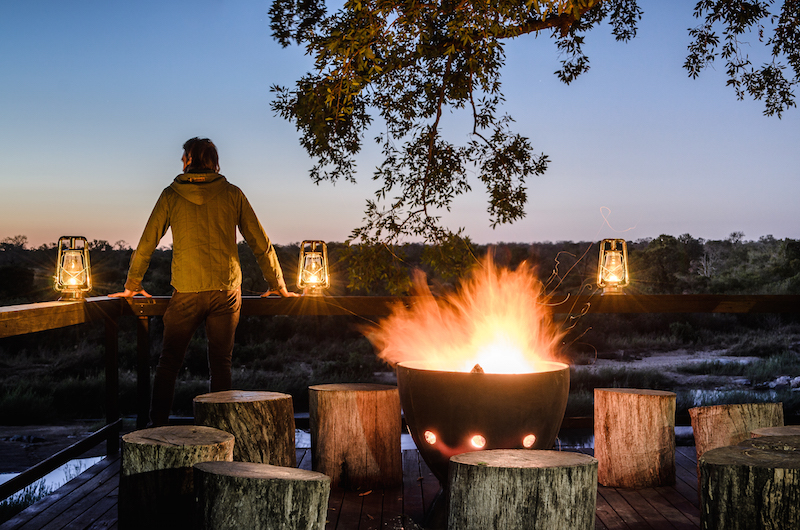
[98, 97]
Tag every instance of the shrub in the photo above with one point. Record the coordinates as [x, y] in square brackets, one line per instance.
[759, 345]
[80, 397]
[22, 405]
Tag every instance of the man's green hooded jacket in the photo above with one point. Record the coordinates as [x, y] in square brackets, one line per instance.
[204, 209]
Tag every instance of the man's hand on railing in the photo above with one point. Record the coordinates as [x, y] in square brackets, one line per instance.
[282, 291]
[127, 293]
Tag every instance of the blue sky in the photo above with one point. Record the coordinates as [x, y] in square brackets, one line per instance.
[98, 97]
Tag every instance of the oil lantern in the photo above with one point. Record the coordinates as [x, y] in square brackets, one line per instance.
[312, 270]
[612, 269]
[73, 273]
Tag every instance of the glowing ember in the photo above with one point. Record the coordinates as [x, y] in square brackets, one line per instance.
[528, 441]
[497, 322]
[430, 437]
[478, 441]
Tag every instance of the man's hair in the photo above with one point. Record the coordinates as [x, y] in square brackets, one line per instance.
[203, 154]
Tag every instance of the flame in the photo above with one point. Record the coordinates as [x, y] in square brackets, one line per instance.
[496, 319]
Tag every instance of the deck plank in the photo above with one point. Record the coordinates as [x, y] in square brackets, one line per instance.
[49, 508]
[392, 507]
[653, 519]
[90, 501]
[350, 512]
[661, 504]
[626, 513]
[689, 510]
[371, 509]
[430, 485]
[105, 484]
[334, 508]
[412, 486]
[304, 459]
[607, 517]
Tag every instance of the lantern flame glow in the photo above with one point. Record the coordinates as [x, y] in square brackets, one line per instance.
[497, 319]
[612, 269]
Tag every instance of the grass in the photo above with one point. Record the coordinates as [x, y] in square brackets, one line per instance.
[760, 345]
[757, 372]
[38, 490]
[622, 377]
[16, 503]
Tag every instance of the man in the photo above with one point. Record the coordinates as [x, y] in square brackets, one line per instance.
[203, 210]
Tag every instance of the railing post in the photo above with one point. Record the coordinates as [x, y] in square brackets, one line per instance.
[112, 381]
[142, 371]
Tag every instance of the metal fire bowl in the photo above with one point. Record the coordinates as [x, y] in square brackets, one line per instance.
[502, 408]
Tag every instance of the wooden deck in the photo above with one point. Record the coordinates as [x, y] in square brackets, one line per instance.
[90, 501]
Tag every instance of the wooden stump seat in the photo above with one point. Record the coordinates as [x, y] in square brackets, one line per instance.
[723, 425]
[784, 430]
[262, 422]
[239, 495]
[522, 489]
[634, 437]
[355, 434]
[754, 485]
[156, 487]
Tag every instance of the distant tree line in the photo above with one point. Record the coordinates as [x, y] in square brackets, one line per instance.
[662, 265]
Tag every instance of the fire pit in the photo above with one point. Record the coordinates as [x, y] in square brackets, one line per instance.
[449, 413]
[475, 367]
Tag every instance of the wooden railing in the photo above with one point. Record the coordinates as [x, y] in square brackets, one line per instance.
[31, 318]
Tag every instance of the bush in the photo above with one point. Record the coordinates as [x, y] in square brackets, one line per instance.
[22, 405]
[80, 397]
[759, 345]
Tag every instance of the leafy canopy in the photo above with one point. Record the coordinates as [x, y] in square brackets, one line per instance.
[408, 62]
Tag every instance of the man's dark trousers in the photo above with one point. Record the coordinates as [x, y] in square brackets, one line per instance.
[185, 312]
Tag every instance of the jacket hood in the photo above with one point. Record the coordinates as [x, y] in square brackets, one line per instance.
[197, 187]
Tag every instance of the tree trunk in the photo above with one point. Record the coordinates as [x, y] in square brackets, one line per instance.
[785, 430]
[751, 486]
[355, 434]
[262, 422]
[522, 489]
[723, 425]
[634, 437]
[156, 488]
[237, 495]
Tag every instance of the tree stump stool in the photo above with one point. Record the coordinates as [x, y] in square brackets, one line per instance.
[751, 486]
[355, 434]
[156, 487]
[634, 437]
[785, 430]
[262, 422]
[722, 425]
[238, 495]
[521, 489]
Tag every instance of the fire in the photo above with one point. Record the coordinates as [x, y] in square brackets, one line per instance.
[497, 322]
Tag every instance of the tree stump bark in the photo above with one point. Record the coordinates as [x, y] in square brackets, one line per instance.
[723, 425]
[751, 486]
[785, 430]
[355, 434]
[634, 437]
[237, 495]
[262, 422]
[156, 487]
[522, 489]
